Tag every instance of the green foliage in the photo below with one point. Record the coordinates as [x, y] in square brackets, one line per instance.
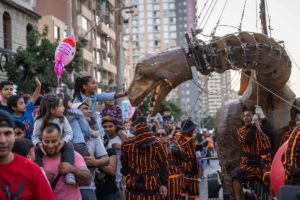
[208, 122]
[176, 110]
[37, 59]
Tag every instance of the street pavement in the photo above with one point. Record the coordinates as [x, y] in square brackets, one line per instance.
[213, 167]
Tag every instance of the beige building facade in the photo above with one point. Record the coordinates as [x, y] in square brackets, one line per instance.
[17, 19]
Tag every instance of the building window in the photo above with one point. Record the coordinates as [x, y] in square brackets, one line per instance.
[56, 32]
[29, 28]
[7, 31]
[171, 6]
[98, 42]
[84, 23]
[173, 35]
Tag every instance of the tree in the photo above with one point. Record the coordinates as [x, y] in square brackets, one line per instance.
[37, 59]
[176, 110]
[208, 122]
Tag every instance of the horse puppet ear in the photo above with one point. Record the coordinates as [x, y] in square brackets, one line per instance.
[244, 81]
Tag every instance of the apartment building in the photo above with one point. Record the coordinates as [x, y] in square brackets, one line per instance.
[93, 23]
[17, 20]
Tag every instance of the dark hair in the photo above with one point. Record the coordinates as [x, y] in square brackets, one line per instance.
[20, 125]
[78, 86]
[38, 101]
[136, 115]
[167, 108]
[26, 98]
[93, 121]
[105, 139]
[22, 146]
[48, 102]
[6, 119]
[50, 127]
[12, 101]
[108, 118]
[66, 99]
[4, 83]
[249, 110]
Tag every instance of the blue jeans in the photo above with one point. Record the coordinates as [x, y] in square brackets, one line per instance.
[88, 194]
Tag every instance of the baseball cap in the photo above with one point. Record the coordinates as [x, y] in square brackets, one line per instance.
[6, 119]
[87, 101]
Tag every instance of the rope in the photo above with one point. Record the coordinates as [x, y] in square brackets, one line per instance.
[270, 29]
[279, 97]
[242, 17]
[210, 14]
[211, 3]
[256, 18]
[202, 10]
[217, 24]
[204, 90]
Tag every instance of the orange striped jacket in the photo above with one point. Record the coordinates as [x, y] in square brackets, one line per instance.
[144, 162]
[256, 150]
[291, 158]
[189, 164]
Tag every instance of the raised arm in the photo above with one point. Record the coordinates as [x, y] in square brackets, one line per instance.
[37, 91]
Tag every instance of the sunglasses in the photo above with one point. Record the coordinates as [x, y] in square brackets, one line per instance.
[160, 134]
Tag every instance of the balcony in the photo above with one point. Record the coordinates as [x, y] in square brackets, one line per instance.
[106, 30]
[109, 67]
[86, 12]
[87, 55]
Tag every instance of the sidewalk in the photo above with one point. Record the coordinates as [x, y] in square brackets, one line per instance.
[213, 167]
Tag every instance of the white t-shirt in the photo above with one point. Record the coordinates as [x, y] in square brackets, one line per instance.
[117, 140]
[95, 146]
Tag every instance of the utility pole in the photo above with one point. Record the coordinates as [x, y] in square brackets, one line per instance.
[118, 20]
[69, 17]
[263, 18]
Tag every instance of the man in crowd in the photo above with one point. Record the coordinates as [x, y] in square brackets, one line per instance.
[110, 126]
[175, 156]
[144, 164]
[55, 168]
[98, 157]
[256, 157]
[20, 178]
[189, 165]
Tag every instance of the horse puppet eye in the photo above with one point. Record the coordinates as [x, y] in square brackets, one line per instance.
[139, 73]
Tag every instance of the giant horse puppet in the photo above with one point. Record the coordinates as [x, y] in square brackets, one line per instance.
[260, 58]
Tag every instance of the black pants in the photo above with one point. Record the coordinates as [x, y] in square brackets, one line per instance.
[67, 154]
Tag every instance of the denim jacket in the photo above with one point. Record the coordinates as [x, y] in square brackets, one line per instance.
[81, 128]
[98, 97]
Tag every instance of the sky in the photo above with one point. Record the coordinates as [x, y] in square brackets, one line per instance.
[285, 22]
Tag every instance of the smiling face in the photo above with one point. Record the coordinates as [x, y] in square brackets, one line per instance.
[51, 141]
[157, 75]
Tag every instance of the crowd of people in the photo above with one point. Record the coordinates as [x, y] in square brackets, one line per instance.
[58, 147]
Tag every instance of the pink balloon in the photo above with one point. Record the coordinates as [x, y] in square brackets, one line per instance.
[64, 54]
[277, 171]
